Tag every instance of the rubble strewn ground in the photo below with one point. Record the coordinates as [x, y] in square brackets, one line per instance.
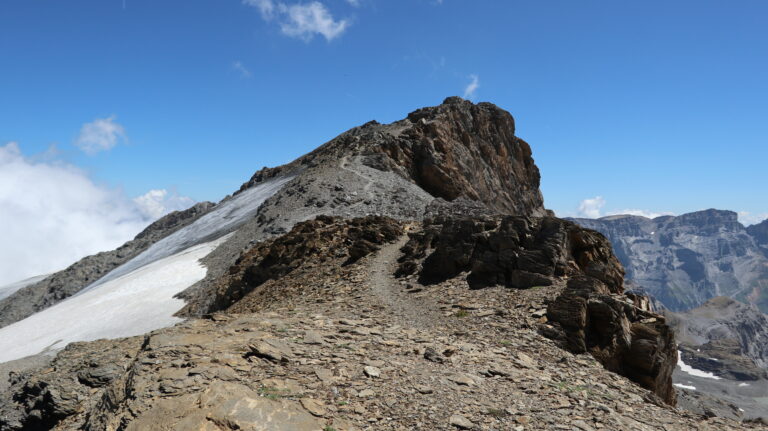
[351, 347]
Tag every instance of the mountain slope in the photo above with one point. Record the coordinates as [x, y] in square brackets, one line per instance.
[455, 150]
[686, 260]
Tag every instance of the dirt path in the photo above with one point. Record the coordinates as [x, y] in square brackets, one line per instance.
[343, 165]
[408, 311]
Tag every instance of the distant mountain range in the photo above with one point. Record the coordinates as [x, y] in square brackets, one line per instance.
[686, 260]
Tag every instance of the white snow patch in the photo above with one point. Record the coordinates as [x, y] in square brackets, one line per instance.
[10, 289]
[742, 385]
[680, 385]
[223, 219]
[693, 371]
[132, 304]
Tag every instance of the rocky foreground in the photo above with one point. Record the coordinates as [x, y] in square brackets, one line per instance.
[339, 342]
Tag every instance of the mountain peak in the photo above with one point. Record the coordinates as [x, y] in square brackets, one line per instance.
[458, 149]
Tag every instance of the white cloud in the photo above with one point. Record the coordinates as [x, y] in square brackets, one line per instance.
[355, 3]
[471, 88]
[157, 203]
[747, 218]
[239, 67]
[304, 21]
[100, 135]
[642, 213]
[301, 20]
[266, 7]
[52, 214]
[591, 207]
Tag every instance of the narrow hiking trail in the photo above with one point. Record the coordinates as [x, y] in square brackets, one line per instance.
[408, 311]
[343, 165]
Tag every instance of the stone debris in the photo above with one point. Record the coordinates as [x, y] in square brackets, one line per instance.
[333, 347]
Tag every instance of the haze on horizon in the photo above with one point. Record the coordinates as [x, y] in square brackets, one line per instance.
[119, 111]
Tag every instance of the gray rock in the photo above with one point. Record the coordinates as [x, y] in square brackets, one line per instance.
[686, 260]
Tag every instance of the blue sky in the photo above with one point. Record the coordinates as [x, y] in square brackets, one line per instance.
[656, 106]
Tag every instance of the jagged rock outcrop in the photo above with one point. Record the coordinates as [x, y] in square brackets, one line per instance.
[623, 337]
[307, 244]
[44, 397]
[456, 149]
[519, 252]
[460, 149]
[66, 283]
[686, 260]
[592, 314]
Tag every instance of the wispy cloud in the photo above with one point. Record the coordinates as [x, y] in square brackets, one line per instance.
[101, 134]
[266, 7]
[747, 218]
[591, 207]
[239, 67]
[641, 213]
[301, 20]
[159, 202]
[471, 88]
[52, 214]
[355, 3]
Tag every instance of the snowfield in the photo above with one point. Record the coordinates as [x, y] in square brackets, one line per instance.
[680, 385]
[138, 296]
[133, 304]
[224, 218]
[693, 371]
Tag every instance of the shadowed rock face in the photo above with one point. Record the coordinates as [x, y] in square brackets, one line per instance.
[518, 252]
[625, 338]
[591, 316]
[686, 260]
[460, 149]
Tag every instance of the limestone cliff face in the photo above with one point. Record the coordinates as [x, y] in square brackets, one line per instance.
[760, 233]
[725, 337]
[686, 260]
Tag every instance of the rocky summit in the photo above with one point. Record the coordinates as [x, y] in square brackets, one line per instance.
[401, 276]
